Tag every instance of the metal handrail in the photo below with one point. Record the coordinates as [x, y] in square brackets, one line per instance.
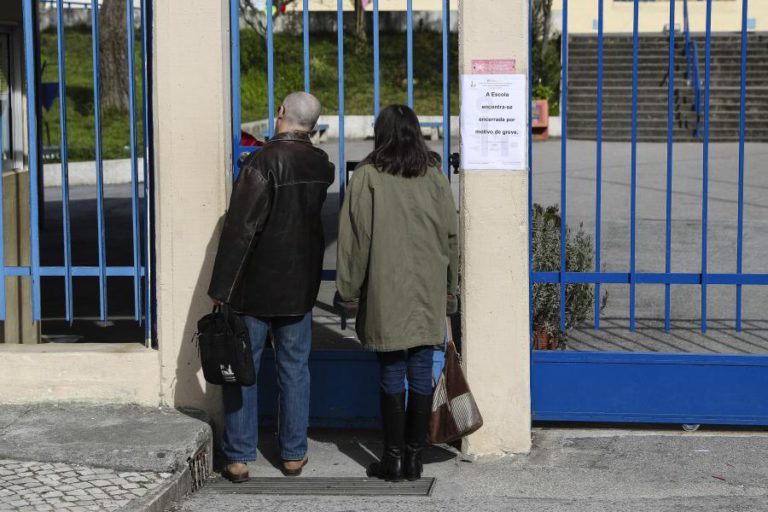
[69, 4]
[692, 68]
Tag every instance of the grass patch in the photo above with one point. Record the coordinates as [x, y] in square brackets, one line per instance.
[289, 66]
[115, 128]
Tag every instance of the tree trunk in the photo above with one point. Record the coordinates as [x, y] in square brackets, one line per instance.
[113, 55]
[547, 25]
[360, 21]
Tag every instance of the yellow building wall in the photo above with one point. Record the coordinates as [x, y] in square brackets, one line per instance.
[384, 5]
[654, 16]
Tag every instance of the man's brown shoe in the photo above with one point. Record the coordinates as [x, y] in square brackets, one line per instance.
[294, 467]
[236, 472]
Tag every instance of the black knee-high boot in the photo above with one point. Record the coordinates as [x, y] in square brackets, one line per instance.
[393, 420]
[417, 423]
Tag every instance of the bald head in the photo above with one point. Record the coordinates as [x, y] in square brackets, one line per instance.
[300, 111]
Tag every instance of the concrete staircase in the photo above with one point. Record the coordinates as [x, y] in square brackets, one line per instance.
[652, 88]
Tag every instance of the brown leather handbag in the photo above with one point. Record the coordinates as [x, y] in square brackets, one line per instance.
[454, 410]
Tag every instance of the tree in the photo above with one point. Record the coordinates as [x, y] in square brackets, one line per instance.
[545, 65]
[113, 55]
[360, 21]
[542, 22]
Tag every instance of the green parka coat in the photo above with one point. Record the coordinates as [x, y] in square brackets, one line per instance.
[398, 254]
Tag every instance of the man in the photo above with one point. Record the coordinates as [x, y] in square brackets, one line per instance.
[268, 268]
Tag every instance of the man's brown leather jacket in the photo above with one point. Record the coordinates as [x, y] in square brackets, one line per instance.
[270, 255]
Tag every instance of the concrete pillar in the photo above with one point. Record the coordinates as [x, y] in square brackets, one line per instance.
[494, 225]
[192, 175]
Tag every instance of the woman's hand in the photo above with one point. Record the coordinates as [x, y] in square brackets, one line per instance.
[346, 307]
[451, 305]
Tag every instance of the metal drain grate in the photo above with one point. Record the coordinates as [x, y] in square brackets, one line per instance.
[199, 469]
[324, 487]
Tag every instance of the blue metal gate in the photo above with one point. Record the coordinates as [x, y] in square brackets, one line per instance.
[653, 387]
[355, 373]
[141, 219]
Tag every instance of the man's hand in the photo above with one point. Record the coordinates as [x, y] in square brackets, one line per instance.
[217, 302]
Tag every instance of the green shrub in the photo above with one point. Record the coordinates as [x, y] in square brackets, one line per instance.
[579, 250]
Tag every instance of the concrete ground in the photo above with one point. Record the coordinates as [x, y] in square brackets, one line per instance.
[685, 335]
[79, 457]
[575, 470]
[614, 335]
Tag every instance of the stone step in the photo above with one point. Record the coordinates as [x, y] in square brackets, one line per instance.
[660, 96]
[660, 107]
[715, 133]
[730, 65]
[652, 95]
[579, 116]
[718, 40]
[657, 81]
[622, 137]
[659, 51]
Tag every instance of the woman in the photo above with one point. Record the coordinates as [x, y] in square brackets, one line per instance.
[398, 261]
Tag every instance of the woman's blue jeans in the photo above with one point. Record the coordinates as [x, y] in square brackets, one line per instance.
[415, 362]
[293, 343]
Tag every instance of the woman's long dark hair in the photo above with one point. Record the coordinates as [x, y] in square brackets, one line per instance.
[399, 147]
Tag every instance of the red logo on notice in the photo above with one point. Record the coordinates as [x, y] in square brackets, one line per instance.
[494, 66]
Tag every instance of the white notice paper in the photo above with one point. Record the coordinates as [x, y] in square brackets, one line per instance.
[493, 122]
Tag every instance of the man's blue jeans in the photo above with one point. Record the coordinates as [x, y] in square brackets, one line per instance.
[293, 342]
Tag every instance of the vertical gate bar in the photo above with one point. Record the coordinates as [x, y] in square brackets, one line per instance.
[705, 170]
[530, 167]
[234, 65]
[599, 157]
[670, 133]
[2, 231]
[446, 88]
[99, 162]
[31, 80]
[633, 191]
[409, 31]
[270, 69]
[563, 161]
[134, 165]
[742, 110]
[376, 77]
[340, 42]
[305, 17]
[145, 97]
[64, 158]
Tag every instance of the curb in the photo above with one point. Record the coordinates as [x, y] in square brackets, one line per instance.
[173, 490]
[190, 478]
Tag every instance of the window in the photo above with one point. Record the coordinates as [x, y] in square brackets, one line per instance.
[11, 140]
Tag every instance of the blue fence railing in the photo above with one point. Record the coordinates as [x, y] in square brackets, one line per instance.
[240, 149]
[632, 277]
[141, 250]
[692, 74]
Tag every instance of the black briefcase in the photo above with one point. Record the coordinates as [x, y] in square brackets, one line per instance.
[225, 348]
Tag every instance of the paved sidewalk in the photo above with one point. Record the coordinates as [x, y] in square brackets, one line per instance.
[609, 470]
[39, 486]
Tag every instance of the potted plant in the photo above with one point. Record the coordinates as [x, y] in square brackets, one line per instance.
[580, 297]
